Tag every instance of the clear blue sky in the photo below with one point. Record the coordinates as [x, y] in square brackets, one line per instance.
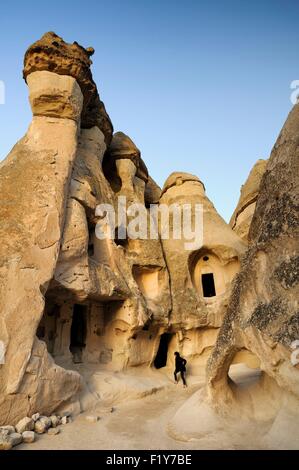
[200, 86]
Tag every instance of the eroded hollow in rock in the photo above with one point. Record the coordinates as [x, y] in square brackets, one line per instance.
[147, 279]
[162, 353]
[255, 395]
[72, 331]
[211, 276]
[92, 333]
[244, 369]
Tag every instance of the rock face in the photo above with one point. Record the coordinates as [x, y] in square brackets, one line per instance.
[242, 216]
[262, 316]
[71, 300]
[263, 313]
[34, 220]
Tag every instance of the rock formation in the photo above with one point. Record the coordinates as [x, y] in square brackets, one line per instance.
[201, 277]
[262, 316]
[65, 294]
[33, 213]
[242, 216]
[54, 55]
[263, 313]
[74, 303]
[124, 168]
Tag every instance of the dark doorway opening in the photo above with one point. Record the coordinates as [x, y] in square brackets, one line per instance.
[161, 357]
[78, 332]
[91, 231]
[208, 285]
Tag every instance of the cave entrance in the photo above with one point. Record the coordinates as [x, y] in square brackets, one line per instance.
[78, 332]
[208, 285]
[47, 329]
[245, 368]
[161, 357]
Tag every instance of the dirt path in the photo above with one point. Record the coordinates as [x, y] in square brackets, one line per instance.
[142, 423]
[138, 424]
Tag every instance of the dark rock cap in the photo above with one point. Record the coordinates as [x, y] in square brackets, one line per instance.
[122, 147]
[53, 54]
[177, 178]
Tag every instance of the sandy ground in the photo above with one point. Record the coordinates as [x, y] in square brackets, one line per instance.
[151, 412]
[136, 424]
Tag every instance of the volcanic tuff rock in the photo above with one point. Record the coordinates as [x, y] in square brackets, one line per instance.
[262, 316]
[51, 53]
[34, 219]
[242, 216]
[201, 276]
[73, 301]
[123, 148]
[52, 266]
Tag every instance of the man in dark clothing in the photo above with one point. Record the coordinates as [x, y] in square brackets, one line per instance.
[180, 366]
